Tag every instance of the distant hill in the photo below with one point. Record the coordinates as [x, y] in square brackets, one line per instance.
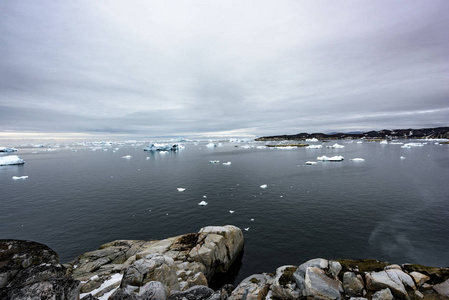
[431, 133]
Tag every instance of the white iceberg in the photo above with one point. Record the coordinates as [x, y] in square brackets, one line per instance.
[6, 149]
[127, 156]
[214, 161]
[162, 147]
[384, 142]
[263, 186]
[332, 158]
[202, 203]
[211, 145]
[311, 162]
[314, 147]
[227, 163]
[410, 145]
[357, 159]
[402, 157]
[19, 177]
[181, 189]
[336, 146]
[11, 160]
[312, 140]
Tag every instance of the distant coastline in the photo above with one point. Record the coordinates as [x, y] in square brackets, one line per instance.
[423, 133]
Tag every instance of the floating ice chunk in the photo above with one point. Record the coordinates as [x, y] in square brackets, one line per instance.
[181, 189]
[5, 149]
[211, 145]
[127, 156]
[410, 145]
[232, 211]
[332, 158]
[204, 196]
[384, 142]
[263, 186]
[402, 157]
[227, 163]
[314, 147]
[312, 140]
[357, 159]
[11, 160]
[311, 162]
[359, 142]
[162, 147]
[19, 177]
[247, 228]
[214, 161]
[252, 220]
[148, 158]
[202, 203]
[163, 152]
[336, 146]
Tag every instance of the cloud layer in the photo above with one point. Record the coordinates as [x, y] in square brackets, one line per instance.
[153, 68]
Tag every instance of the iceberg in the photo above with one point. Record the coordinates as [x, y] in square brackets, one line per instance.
[312, 140]
[336, 146]
[5, 149]
[227, 163]
[314, 146]
[357, 159]
[19, 177]
[311, 162]
[127, 156]
[410, 145]
[162, 147]
[214, 161]
[211, 145]
[181, 189]
[263, 186]
[202, 203]
[332, 158]
[384, 142]
[11, 160]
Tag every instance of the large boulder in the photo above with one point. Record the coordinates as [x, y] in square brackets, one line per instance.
[396, 280]
[254, 287]
[352, 284]
[320, 286]
[284, 285]
[194, 293]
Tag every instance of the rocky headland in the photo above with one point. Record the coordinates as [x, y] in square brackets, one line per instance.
[181, 268]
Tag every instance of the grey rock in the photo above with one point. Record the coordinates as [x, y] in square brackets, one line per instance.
[384, 294]
[334, 268]
[419, 278]
[124, 294]
[320, 286]
[352, 284]
[254, 287]
[442, 288]
[194, 293]
[61, 289]
[358, 298]
[284, 285]
[376, 281]
[89, 297]
[300, 273]
[154, 267]
[154, 290]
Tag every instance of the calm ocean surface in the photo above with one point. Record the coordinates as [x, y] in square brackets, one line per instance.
[386, 208]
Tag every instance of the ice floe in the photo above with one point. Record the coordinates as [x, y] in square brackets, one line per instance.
[19, 177]
[332, 158]
[162, 147]
[202, 203]
[181, 189]
[384, 142]
[311, 163]
[410, 145]
[314, 147]
[11, 160]
[227, 163]
[214, 161]
[402, 157]
[264, 186]
[6, 149]
[211, 145]
[358, 159]
[127, 156]
[312, 140]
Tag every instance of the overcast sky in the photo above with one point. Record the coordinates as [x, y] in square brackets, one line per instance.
[184, 68]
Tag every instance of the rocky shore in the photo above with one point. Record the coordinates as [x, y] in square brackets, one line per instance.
[181, 268]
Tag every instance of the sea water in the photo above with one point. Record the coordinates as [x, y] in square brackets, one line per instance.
[79, 196]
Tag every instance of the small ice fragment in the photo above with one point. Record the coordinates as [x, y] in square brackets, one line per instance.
[127, 156]
[19, 177]
[252, 220]
[357, 159]
[232, 211]
[263, 186]
[148, 158]
[402, 157]
[214, 161]
[181, 189]
[247, 228]
[227, 163]
[202, 203]
[311, 163]
[211, 145]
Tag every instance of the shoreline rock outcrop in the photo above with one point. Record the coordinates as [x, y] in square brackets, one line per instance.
[181, 268]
